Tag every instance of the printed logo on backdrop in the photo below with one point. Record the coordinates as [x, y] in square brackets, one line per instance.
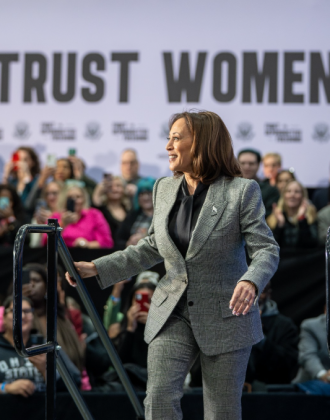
[130, 132]
[321, 132]
[163, 133]
[58, 131]
[245, 131]
[93, 131]
[283, 133]
[21, 130]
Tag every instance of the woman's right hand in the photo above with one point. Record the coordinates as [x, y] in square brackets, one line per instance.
[46, 173]
[68, 217]
[132, 315]
[7, 170]
[85, 270]
[277, 212]
[23, 387]
[42, 216]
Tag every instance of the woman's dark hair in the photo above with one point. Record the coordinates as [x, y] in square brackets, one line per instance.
[9, 300]
[253, 151]
[285, 171]
[34, 157]
[42, 271]
[17, 203]
[212, 152]
[70, 165]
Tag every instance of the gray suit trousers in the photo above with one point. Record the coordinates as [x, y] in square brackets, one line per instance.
[171, 355]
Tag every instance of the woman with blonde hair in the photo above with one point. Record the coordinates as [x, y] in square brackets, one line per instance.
[293, 220]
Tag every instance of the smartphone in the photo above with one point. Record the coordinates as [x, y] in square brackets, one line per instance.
[41, 203]
[15, 159]
[107, 176]
[51, 161]
[72, 152]
[70, 204]
[141, 298]
[4, 202]
[25, 277]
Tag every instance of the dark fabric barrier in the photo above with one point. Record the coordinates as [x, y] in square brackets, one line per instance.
[116, 406]
[298, 285]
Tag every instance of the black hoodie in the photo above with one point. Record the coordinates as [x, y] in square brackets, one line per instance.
[13, 366]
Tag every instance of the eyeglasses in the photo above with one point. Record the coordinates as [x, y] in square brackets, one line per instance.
[25, 311]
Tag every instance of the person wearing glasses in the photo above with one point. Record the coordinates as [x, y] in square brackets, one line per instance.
[24, 376]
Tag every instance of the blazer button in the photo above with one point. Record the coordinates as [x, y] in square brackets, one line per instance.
[190, 303]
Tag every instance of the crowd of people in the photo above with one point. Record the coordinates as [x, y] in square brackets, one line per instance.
[115, 213]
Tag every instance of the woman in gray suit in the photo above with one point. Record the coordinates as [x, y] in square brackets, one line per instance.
[204, 217]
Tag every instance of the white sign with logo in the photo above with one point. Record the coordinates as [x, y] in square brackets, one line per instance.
[102, 76]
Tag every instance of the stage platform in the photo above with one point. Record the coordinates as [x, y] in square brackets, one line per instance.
[116, 406]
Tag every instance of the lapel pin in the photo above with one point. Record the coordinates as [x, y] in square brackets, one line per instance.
[214, 211]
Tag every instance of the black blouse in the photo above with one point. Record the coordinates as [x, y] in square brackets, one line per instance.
[184, 215]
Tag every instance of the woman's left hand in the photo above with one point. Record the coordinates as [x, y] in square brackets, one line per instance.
[302, 209]
[243, 298]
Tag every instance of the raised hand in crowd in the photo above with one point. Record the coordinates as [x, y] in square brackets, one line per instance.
[101, 190]
[131, 190]
[303, 209]
[23, 387]
[46, 172]
[279, 216]
[135, 315]
[78, 167]
[42, 215]
[9, 166]
[118, 289]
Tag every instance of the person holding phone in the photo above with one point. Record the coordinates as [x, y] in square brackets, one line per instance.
[12, 214]
[128, 335]
[83, 226]
[206, 216]
[22, 172]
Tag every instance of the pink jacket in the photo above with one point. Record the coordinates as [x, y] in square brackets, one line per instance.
[92, 226]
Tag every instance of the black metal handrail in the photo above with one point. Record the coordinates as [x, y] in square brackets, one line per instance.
[327, 285]
[55, 246]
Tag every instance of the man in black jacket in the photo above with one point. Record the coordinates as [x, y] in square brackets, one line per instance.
[274, 360]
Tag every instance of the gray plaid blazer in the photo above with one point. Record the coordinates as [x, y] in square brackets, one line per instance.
[232, 216]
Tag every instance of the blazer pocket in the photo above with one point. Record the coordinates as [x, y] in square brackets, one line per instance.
[159, 296]
[225, 298]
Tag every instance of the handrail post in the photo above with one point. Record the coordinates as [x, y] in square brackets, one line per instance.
[51, 337]
[327, 286]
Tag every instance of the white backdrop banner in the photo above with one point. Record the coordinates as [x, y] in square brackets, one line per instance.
[101, 77]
